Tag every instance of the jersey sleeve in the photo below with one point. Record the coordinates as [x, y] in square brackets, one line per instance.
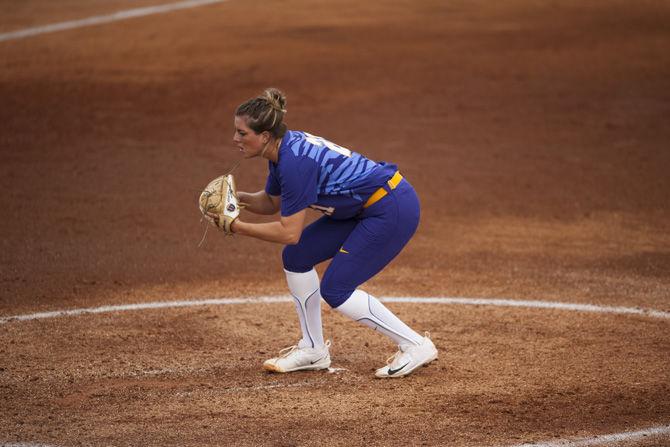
[299, 184]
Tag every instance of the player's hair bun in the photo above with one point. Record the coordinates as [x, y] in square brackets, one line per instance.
[265, 112]
[276, 99]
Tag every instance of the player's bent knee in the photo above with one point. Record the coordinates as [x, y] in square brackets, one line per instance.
[332, 294]
[294, 261]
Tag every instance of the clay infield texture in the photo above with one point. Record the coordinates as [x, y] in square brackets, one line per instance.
[537, 134]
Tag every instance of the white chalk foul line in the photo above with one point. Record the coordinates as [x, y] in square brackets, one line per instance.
[607, 440]
[98, 20]
[498, 302]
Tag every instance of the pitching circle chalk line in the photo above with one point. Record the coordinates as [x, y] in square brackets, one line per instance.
[598, 440]
[498, 302]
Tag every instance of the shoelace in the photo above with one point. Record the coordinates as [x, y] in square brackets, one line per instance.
[400, 351]
[287, 351]
[393, 357]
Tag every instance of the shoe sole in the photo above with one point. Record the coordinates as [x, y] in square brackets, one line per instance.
[315, 367]
[410, 371]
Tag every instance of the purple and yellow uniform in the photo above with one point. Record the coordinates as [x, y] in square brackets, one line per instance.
[371, 212]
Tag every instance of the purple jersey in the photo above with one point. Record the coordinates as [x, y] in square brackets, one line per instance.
[314, 172]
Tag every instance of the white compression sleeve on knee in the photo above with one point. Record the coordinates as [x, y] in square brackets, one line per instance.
[304, 288]
[363, 307]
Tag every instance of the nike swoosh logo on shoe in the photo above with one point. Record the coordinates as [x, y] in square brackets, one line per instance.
[316, 361]
[393, 371]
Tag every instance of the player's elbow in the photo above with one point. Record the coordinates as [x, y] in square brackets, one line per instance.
[292, 238]
[292, 227]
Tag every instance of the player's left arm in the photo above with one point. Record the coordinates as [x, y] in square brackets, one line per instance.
[286, 231]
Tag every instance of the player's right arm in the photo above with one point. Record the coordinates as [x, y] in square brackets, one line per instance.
[259, 202]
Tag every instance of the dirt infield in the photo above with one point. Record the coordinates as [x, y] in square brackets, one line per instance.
[536, 134]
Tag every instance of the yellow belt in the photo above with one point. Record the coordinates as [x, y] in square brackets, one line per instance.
[381, 192]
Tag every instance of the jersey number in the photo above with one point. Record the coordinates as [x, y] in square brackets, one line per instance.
[318, 141]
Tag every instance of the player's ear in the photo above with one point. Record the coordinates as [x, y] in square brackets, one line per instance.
[265, 137]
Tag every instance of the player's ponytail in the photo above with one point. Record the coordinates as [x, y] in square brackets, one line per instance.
[265, 112]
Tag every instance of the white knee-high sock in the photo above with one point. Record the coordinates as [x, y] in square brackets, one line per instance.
[363, 307]
[304, 288]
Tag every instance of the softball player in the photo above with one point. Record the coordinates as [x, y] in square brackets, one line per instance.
[370, 213]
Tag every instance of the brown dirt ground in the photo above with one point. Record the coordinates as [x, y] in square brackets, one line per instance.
[536, 134]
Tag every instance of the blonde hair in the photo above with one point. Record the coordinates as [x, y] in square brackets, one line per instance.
[265, 112]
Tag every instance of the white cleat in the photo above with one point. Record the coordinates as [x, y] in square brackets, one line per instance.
[299, 359]
[409, 358]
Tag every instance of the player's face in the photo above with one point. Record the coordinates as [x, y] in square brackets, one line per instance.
[249, 142]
